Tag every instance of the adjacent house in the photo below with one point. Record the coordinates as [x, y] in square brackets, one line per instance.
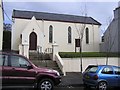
[1, 25]
[40, 30]
[111, 36]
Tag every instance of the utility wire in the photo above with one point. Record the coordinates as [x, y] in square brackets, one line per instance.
[5, 13]
[7, 16]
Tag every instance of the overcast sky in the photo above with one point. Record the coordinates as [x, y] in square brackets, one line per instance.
[101, 11]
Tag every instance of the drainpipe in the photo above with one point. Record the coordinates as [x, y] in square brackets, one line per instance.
[43, 36]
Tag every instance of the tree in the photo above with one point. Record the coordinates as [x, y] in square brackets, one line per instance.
[108, 39]
[7, 27]
[80, 30]
[7, 37]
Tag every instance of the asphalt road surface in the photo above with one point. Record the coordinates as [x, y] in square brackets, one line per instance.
[68, 88]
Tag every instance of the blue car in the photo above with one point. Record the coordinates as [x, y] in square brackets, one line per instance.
[102, 76]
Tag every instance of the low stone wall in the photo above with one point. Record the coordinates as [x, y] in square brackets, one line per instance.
[73, 64]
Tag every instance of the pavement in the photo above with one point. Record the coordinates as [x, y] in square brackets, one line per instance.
[72, 79]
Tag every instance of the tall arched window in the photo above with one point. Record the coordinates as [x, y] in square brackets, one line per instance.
[69, 35]
[87, 35]
[50, 34]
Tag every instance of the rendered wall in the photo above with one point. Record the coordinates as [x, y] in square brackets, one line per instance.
[111, 36]
[73, 64]
[1, 25]
[60, 35]
[1, 39]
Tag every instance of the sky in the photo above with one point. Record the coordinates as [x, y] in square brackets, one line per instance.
[101, 11]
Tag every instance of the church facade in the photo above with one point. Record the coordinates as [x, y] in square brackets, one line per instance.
[40, 30]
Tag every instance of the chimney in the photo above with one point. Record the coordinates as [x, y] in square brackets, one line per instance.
[116, 11]
[118, 4]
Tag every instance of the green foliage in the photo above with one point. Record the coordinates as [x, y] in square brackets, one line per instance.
[87, 54]
[6, 40]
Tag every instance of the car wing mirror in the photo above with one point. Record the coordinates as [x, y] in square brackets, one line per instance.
[29, 67]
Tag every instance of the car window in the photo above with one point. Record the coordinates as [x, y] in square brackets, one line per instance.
[117, 70]
[17, 61]
[92, 69]
[3, 60]
[107, 70]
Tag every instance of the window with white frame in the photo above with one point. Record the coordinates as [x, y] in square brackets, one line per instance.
[69, 35]
[50, 34]
[87, 35]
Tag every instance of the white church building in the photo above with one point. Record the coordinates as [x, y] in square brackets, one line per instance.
[1, 25]
[40, 30]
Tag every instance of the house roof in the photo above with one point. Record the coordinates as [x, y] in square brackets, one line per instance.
[54, 17]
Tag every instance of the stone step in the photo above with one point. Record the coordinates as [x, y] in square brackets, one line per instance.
[43, 60]
[45, 63]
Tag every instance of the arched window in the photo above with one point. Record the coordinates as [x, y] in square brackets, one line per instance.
[69, 35]
[87, 35]
[50, 34]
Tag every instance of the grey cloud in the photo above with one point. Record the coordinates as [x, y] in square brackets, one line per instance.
[99, 11]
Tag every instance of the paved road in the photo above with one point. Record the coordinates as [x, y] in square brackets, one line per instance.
[81, 88]
[70, 88]
[67, 88]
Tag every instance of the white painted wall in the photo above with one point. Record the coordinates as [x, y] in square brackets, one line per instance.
[17, 29]
[33, 26]
[60, 35]
[1, 25]
[25, 27]
[73, 64]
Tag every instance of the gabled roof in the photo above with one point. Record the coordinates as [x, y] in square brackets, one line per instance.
[54, 17]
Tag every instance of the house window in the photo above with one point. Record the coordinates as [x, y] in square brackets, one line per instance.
[50, 34]
[102, 38]
[69, 35]
[77, 42]
[87, 35]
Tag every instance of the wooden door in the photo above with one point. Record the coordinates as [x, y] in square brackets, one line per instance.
[33, 41]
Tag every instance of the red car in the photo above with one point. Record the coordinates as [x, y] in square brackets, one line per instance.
[19, 72]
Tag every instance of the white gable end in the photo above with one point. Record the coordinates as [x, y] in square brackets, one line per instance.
[32, 26]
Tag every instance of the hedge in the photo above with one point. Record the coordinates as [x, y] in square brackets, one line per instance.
[87, 54]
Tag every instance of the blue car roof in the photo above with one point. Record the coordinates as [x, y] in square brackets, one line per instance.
[104, 65]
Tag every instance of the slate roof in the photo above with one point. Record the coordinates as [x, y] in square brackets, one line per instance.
[54, 17]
